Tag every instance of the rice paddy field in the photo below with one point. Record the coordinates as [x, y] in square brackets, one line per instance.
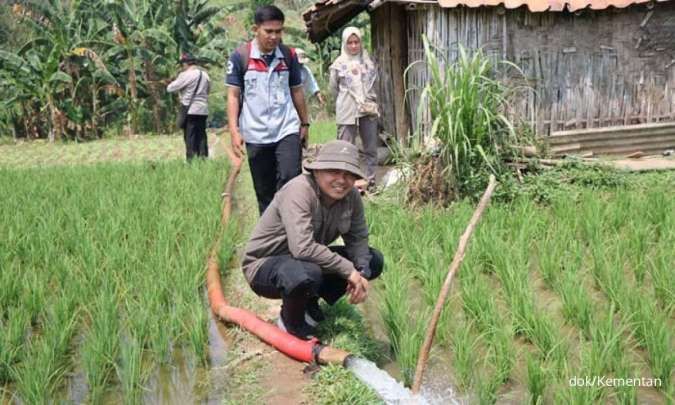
[101, 280]
[566, 294]
[114, 149]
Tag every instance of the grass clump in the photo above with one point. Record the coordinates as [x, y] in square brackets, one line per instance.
[344, 328]
[468, 129]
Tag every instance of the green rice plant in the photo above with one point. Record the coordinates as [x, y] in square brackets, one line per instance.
[607, 271]
[650, 326]
[501, 345]
[626, 394]
[535, 326]
[654, 334]
[44, 365]
[405, 333]
[428, 270]
[515, 283]
[129, 368]
[198, 331]
[481, 250]
[585, 394]
[592, 221]
[606, 335]
[580, 395]
[638, 242]
[663, 278]
[138, 321]
[33, 294]
[162, 338]
[660, 211]
[537, 379]
[464, 347]
[409, 347]
[549, 261]
[13, 331]
[486, 388]
[101, 345]
[344, 328]
[577, 307]
[38, 374]
[11, 282]
[478, 302]
[540, 331]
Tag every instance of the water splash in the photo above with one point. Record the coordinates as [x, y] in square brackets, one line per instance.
[386, 387]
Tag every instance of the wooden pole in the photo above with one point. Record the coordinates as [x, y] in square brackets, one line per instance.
[454, 267]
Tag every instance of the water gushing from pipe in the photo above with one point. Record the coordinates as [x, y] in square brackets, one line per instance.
[386, 387]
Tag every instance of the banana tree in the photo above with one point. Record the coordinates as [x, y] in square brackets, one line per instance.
[141, 31]
[60, 31]
[196, 29]
[22, 95]
[37, 79]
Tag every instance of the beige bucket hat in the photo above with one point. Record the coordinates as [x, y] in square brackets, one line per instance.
[337, 155]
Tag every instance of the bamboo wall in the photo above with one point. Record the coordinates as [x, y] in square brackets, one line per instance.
[587, 69]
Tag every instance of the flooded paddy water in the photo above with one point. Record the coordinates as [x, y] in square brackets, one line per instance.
[182, 381]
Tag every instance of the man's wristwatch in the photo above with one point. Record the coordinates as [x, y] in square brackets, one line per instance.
[305, 124]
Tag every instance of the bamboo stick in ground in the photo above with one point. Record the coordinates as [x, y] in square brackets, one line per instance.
[454, 267]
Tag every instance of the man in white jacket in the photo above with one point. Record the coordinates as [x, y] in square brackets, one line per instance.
[193, 85]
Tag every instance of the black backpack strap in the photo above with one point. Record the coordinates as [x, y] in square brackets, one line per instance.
[288, 54]
[244, 51]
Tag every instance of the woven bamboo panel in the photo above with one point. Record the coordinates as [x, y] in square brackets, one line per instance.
[579, 70]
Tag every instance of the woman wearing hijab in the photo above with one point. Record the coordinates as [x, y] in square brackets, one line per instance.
[352, 80]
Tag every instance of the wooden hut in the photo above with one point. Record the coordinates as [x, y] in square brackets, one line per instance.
[592, 64]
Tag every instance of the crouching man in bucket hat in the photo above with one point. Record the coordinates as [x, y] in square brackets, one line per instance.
[288, 256]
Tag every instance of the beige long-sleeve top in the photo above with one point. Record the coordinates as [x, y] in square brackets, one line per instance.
[352, 83]
[296, 223]
[186, 84]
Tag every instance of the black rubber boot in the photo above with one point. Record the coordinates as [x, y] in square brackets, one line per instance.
[313, 313]
[292, 318]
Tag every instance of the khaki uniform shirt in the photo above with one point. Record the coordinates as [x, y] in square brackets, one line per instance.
[351, 84]
[297, 224]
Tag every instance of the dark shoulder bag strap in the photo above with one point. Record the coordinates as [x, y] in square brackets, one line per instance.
[194, 93]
